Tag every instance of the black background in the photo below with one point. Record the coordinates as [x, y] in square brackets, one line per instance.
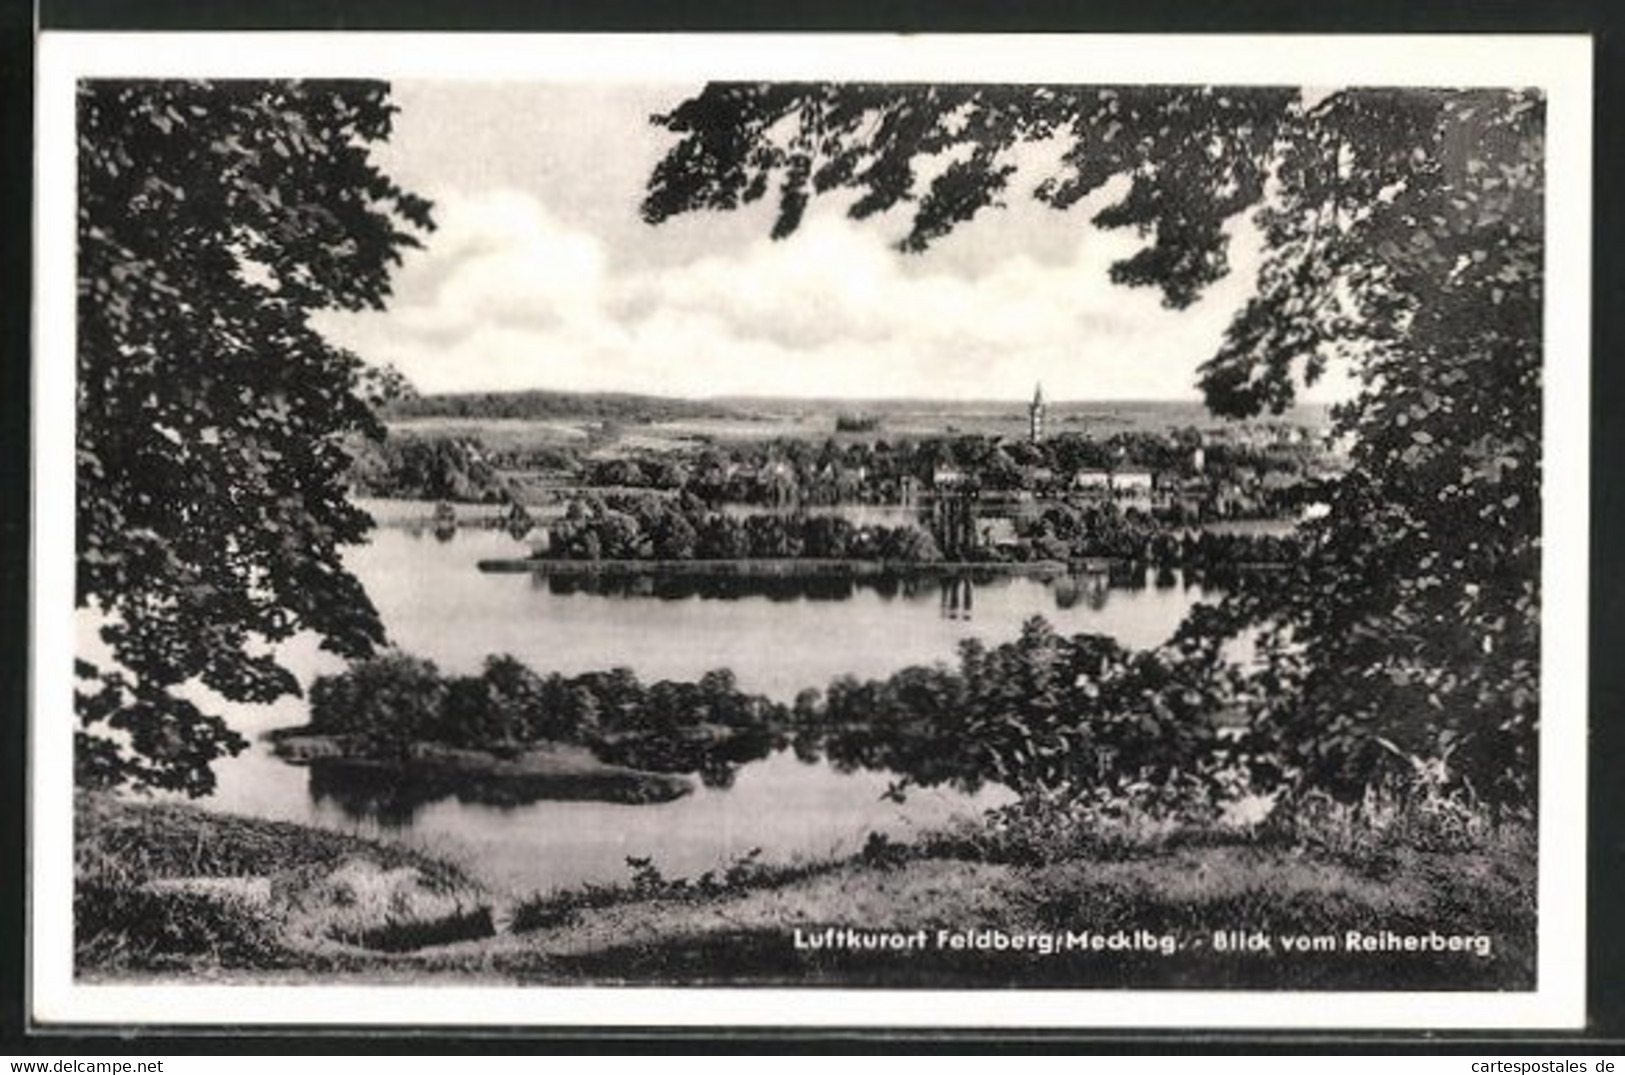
[1606, 841]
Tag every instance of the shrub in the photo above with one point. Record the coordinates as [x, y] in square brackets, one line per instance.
[390, 701]
[118, 926]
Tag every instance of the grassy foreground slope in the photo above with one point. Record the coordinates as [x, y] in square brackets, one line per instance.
[172, 890]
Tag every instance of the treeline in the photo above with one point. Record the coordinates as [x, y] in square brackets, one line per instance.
[1235, 480]
[1041, 711]
[426, 468]
[1090, 531]
[541, 404]
[383, 706]
[685, 528]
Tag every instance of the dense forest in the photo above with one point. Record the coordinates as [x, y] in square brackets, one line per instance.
[685, 528]
[541, 404]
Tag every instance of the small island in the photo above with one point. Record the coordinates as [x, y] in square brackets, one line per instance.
[551, 771]
[396, 732]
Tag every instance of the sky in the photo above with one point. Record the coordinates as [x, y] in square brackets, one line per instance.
[541, 274]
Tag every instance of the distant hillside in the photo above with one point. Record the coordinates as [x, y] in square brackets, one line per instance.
[541, 404]
[1140, 412]
[894, 416]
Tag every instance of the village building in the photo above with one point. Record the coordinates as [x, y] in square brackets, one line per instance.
[999, 532]
[1037, 477]
[1098, 480]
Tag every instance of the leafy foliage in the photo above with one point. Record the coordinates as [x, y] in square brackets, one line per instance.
[1042, 711]
[1415, 633]
[385, 705]
[451, 468]
[644, 528]
[214, 219]
[1403, 236]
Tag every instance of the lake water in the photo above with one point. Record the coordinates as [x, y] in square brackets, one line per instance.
[778, 638]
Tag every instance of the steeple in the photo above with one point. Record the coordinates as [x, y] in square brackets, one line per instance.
[1035, 415]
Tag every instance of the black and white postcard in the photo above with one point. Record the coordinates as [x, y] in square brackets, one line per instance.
[910, 531]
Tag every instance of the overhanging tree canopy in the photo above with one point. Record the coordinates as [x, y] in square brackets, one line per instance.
[214, 219]
[1403, 235]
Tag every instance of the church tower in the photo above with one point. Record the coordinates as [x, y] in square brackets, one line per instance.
[1035, 415]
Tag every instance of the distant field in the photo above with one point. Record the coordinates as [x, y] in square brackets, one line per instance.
[765, 427]
[933, 414]
[501, 433]
[930, 418]
[619, 427]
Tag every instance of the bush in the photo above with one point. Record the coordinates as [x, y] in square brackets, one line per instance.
[390, 702]
[161, 886]
[116, 926]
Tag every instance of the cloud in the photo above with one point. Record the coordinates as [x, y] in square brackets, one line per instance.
[501, 259]
[508, 295]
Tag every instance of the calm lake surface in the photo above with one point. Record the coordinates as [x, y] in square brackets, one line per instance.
[778, 639]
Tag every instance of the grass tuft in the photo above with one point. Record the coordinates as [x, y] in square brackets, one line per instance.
[168, 886]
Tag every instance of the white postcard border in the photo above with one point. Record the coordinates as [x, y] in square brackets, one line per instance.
[1561, 65]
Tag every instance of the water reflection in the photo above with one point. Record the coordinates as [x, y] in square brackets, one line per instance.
[392, 797]
[716, 587]
[958, 598]
[381, 796]
[715, 759]
[955, 594]
[443, 533]
[801, 795]
[1089, 591]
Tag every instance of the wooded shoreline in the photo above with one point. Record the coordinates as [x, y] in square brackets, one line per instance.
[792, 567]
